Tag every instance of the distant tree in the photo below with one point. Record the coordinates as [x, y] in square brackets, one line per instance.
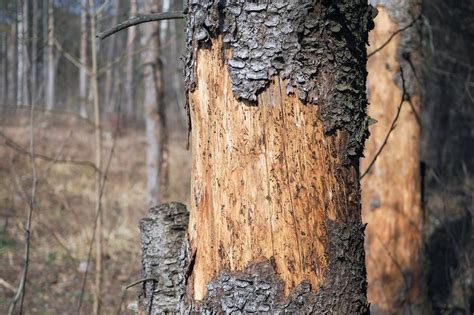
[83, 59]
[51, 60]
[391, 190]
[130, 106]
[154, 108]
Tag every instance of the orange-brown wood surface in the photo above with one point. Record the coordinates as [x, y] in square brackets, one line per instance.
[263, 180]
[391, 190]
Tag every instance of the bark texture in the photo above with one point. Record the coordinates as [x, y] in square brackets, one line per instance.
[161, 236]
[391, 191]
[277, 102]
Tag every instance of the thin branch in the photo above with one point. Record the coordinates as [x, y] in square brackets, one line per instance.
[392, 127]
[21, 291]
[18, 148]
[97, 216]
[393, 35]
[71, 58]
[139, 20]
[50, 111]
[131, 285]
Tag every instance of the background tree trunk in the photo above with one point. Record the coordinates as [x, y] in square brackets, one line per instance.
[154, 109]
[12, 64]
[20, 77]
[275, 220]
[34, 51]
[391, 191]
[51, 70]
[110, 71]
[83, 59]
[130, 110]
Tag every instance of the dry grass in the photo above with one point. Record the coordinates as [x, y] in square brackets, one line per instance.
[62, 224]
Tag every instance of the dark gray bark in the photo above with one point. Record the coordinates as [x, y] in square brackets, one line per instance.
[259, 289]
[303, 42]
[161, 236]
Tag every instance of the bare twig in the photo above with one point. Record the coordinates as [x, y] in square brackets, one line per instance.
[131, 285]
[18, 148]
[97, 215]
[21, 290]
[7, 285]
[393, 35]
[392, 127]
[139, 20]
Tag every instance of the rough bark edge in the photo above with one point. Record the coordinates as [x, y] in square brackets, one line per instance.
[258, 287]
[161, 234]
[317, 46]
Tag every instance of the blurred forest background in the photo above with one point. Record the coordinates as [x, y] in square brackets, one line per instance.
[76, 179]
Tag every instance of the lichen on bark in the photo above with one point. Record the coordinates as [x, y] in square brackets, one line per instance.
[317, 46]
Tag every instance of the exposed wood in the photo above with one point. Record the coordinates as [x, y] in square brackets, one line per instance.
[265, 181]
[391, 201]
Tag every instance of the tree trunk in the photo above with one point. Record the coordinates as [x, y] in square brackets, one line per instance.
[130, 111]
[34, 51]
[4, 67]
[20, 77]
[154, 109]
[391, 191]
[51, 72]
[83, 59]
[277, 102]
[12, 67]
[161, 234]
[109, 73]
[25, 83]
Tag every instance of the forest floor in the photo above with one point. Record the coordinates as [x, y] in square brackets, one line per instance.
[64, 215]
[65, 210]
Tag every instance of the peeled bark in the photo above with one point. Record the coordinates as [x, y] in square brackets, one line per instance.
[391, 191]
[161, 234]
[276, 93]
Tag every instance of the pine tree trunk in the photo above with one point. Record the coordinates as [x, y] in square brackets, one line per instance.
[12, 71]
[51, 70]
[20, 77]
[130, 111]
[109, 73]
[26, 62]
[154, 111]
[34, 51]
[276, 92]
[391, 191]
[4, 67]
[83, 60]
